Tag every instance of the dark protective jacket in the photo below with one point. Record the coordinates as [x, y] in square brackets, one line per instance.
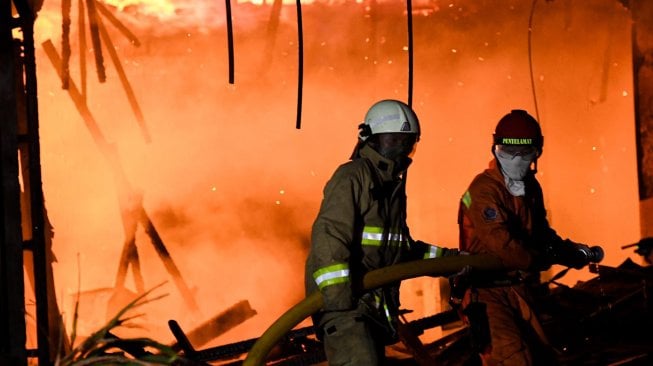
[493, 221]
[361, 226]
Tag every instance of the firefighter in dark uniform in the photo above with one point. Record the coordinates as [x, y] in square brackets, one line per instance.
[502, 213]
[361, 226]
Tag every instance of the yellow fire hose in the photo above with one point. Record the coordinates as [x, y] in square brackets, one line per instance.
[428, 267]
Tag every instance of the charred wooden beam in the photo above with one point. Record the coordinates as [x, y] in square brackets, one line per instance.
[131, 97]
[213, 327]
[129, 255]
[118, 24]
[81, 30]
[296, 336]
[34, 249]
[272, 28]
[45, 322]
[125, 189]
[65, 42]
[95, 39]
[12, 300]
[235, 350]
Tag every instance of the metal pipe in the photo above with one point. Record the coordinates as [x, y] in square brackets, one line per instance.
[428, 267]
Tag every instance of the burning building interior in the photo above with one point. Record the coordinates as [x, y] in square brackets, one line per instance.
[178, 149]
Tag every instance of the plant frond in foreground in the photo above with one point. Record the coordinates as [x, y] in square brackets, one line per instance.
[104, 348]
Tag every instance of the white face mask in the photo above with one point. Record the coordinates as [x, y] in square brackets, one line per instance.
[514, 168]
[515, 161]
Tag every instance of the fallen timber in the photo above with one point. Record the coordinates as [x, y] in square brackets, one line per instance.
[296, 337]
[603, 321]
[258, 349]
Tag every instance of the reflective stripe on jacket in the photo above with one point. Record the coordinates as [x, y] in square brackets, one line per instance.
[361, 226]
[493, 221]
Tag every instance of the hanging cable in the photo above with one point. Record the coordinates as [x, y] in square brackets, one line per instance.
[530, 58]
[409, 14]
[230, 40]
[300, 66]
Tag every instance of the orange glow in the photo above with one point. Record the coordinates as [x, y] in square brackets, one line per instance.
[233, 187]
[270, 2]
[161, 8]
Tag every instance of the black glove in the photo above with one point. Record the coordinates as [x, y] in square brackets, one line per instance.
[458, 285]
[542, 260]
[448, 252]
[575, 255]
[644, 246]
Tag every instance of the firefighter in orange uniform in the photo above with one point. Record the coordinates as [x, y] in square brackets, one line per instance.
[502, 213]
[361, 226]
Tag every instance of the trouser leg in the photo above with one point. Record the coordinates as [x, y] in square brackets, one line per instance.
[508, 342]
[349, 340]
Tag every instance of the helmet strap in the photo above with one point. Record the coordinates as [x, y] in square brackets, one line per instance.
[364, 131]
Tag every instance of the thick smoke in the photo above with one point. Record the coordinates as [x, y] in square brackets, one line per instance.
[232, 185]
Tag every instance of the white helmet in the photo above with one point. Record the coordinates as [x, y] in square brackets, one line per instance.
[389, 116]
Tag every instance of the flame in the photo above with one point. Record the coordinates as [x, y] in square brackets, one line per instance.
[220, 153]
[166, 9]
[270, 2]
[162, 8]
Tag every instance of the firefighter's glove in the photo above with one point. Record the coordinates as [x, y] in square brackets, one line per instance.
[541, 260]
[644, 246]
[458, 285]
[435, 251]
[448, 252]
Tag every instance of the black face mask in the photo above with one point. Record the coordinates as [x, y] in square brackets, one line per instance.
[394, 153]
[401, 164]
[396, 147]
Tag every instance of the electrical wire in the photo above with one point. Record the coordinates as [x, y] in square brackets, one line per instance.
[300, 66]
[409, 14]
[230, 40]
[530, 58]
